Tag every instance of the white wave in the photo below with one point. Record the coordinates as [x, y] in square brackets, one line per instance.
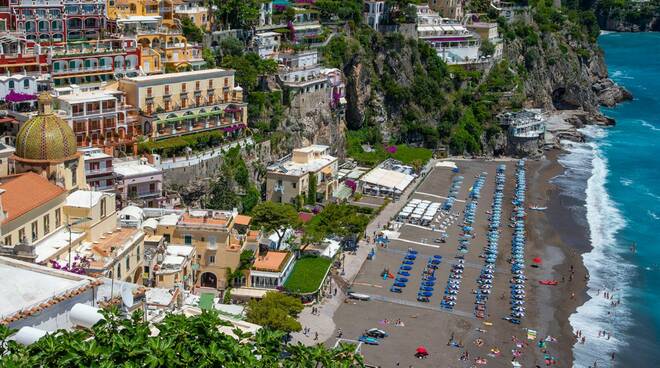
[653, 195]
[625, 182]
[649, 125]
[653, 215]
[607, 270]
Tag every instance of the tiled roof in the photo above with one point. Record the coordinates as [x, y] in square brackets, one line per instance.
[272, 261]
[25, 192]
[242, 220]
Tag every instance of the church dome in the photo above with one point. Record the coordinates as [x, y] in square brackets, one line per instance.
[45, 137]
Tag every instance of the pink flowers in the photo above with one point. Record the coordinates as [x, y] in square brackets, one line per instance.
[391, 149]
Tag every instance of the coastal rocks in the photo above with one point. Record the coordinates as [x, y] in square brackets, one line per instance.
[610, 94]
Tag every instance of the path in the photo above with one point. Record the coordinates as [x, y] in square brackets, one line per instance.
[178, 162]
[323, 323]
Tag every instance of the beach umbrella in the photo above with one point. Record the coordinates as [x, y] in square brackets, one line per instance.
[537, 260]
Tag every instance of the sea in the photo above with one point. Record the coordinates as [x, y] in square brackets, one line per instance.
[615, 178]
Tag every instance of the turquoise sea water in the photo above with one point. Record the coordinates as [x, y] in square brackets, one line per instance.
[621, 166]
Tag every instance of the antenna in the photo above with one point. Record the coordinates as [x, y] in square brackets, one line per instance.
[127, 295]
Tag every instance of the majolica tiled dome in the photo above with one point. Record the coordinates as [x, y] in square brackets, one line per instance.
[45, 137]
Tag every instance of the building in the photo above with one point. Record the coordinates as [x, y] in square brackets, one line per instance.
[305, 28]
[40, 297]
[454, 43]
[18, 84]
[138, 182]
[452, 9]
[389, 179]
[163, 46]
[267, 44]
[266, 14]
[218, 245]
[487, 31]
[93, 63]
[46, 145]
[173, 267]
[290, 178]
[31, 209]
[307, 86]
[374, 13]
[525, 131]
[188, 102]
[99, 171]
[195, 10]
[99, 118]
[19, 56]
[6, 167]
[271, 269]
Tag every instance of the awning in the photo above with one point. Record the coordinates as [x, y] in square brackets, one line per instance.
[327, 170]
[248, 293]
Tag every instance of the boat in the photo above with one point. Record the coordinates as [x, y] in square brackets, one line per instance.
[548, 282]
[359, 296]
[537, 208]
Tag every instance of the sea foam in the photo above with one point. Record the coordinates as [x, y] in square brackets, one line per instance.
[606, 269]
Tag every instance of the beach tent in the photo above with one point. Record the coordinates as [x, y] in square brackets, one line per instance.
[421, 350]
[537, 260]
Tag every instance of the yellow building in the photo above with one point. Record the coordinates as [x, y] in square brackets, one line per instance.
[46, 145]
[118, 9]
[290, 177]
[175, 267]
[30, 209]
[196, 11]
[187, 102]
[217, 244]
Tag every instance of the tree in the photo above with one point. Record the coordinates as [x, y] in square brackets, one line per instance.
[277, 217]
[487, 48]
[222, 196]
[231, 46]
[191, 31]
[238, 13]
[250, 199]
[275, 310]
[335, 219]
[311, 190]
[181, 342]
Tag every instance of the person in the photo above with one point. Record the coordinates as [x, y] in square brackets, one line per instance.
[316, 336]
[340, 333]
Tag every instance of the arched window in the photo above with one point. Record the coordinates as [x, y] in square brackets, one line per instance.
[43, 26]
[11, 84]
[26, 83]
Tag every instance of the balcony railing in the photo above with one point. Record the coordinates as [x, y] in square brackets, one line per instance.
[89, 69]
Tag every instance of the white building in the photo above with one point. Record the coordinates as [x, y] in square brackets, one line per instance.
[98, 169]
[374, 11]
[19, 83]
[271, 269]
[266, 13]
[454, 43]
[267, 44]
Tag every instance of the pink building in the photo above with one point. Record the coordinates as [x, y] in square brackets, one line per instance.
[139, 183]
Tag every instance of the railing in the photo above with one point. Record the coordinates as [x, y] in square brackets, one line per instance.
[93, 112]
[105, 170]
[83, 70]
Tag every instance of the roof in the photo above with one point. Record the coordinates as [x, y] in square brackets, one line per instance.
[169, 76]
[180, 250]
[27, 285]
[135, 168]
[387, 178]
[248, 293]
[93, 153]
[272, 261]
[84, 198]
[242, 220]
[170, 219]
[86, 96]
[45, 137]
[25, 192]
[46, 248]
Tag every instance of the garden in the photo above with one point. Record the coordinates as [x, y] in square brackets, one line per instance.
[307, 275]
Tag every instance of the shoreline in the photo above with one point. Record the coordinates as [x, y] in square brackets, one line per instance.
[562, 241]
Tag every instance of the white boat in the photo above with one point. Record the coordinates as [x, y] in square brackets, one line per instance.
[537, 208]
[359, 296]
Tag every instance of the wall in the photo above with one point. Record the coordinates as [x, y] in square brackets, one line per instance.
[57, 316]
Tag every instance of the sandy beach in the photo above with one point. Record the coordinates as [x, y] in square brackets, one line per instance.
[552, 235]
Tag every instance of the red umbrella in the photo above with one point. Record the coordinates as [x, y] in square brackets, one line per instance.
[537, 260]
[422, 350]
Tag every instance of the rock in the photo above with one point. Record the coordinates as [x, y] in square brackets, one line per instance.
[610, 94]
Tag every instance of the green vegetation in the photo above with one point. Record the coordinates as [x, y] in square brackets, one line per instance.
[234, 177]
[307, 275]
[311, 190]
[191, 31]
[181, 342]
[274, 217]
[176, 146]
[628, 12]
[276, 311]
[238, 13]
[404, 153]
[335, 220]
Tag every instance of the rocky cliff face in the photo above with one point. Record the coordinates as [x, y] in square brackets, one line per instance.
[566, 74]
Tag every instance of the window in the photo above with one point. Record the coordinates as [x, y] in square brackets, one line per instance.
[118, 270]
[26, 84]
[128, 263]
[103, 207]
[183, 87]
[210, 83]
[161, 278]
[138, 253]
[187, 239]
[46, 224]
[226, 82]
[108, 163]
[149, 92]
[58, 217]
[8, 240]
[35, 231]
[197, 85]
[294, 185]
[211, 259]
[11, 84]
[152, 187]
[184, 102]
[21, 235]
[167, 89]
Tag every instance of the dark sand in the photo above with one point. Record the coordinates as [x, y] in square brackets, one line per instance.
[552, 235]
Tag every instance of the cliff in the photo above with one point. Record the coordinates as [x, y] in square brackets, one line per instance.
[628, 15]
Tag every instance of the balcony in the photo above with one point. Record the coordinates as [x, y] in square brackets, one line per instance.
[100, 171]
[90, 69]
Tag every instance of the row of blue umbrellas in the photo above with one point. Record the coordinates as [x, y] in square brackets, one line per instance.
[470, 213]
[485, 280]
[428, 279]
[456, 183]
[518, 242]
[453, 285]
[401, 280]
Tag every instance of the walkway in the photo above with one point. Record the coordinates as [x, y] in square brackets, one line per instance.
[421, 306]
[323, 323]
[178, 162]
